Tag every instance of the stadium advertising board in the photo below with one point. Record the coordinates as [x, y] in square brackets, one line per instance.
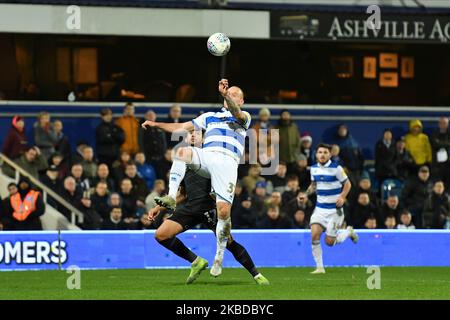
[289, 248]
[356, 27]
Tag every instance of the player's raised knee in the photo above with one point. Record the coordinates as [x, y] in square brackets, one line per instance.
[224, 209]
[184, 154]
[160, 235]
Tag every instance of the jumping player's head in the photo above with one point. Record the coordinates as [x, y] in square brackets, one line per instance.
[323, 153]
[237, 95]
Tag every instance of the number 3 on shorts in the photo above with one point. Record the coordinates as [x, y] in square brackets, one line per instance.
[230, 187]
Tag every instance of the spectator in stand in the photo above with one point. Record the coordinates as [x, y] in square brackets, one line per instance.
[364, 185]
[57, 160]
[243, 216]
[436, 211]
[100, 200]
[415, 192]
[158, 189]
[153, 140]
[303, 172]
[292, 190]
[5, 220]
[71, 194]
[299, 203]
[16, 141]
[390, 222]
[289, 139]
[139, 185]
[130, 126]
[114, 220]
[418, 144]
[263, 131]
[145, 170]
[120, 165]
[44, 135]
[259, 197]
[278, 181]
[350, 151]
[362, 210]
[406, 221]
[254, 176]
[391, 207]
[174, 116]
[164, 166]
[440, 145]
[115, 200]
[274, 200]
[24, 208]
[129, 203]
[103, 176]
[274, 219]
[88, 163]
[82, 182]
[62, 141]
[301, 221]
[91, 218]
[306, 147]
[371, 223]
[51, 180]
[335, 150]
[385, 157]
[108, 137]
[78, 155]
[404, 161]
[244, 167]
[32, 161]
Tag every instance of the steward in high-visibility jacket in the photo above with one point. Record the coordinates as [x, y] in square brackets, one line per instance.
[25, 207]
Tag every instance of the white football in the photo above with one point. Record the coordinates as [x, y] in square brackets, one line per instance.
[218, 44]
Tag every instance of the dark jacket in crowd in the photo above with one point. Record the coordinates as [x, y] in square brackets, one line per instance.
[350, 153]
[55, 185]
[282, 222]
[360, 213]
[439, 141]
[415, 192]
[108, 137]
[385, 160]
[108, 224]
[74, 199]
[289, 141]
[15, 143]
[291, 207]
[45, 139]
[405, 165]
[386, 211]
[153, 144]
[129, 206]
[243, 218]
[436, 211]
[100, 204]
[63, 147]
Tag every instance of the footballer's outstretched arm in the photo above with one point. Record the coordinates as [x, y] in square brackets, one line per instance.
[169, 127]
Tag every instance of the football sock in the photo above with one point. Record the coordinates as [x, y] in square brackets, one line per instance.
[222, 234]
[241, 255]
[342, 236]
[176, 246]
[317, 253]
[177, 172]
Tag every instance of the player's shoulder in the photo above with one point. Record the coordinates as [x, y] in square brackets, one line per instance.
[335, 165]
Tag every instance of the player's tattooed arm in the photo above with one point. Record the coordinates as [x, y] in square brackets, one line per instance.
[234, 108]
[311, 189]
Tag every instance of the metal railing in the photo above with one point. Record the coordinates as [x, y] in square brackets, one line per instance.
[46, 191]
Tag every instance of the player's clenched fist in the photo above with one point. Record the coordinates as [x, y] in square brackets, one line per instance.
[223, 87]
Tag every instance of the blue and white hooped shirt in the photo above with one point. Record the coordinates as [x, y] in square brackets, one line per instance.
[223, 132]
[329, 179]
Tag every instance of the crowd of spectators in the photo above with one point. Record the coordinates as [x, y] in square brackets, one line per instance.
[115, 185]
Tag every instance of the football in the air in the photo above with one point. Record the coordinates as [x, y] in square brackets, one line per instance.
[218, 44]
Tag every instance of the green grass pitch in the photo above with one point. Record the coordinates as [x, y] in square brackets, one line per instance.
[234, 283]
